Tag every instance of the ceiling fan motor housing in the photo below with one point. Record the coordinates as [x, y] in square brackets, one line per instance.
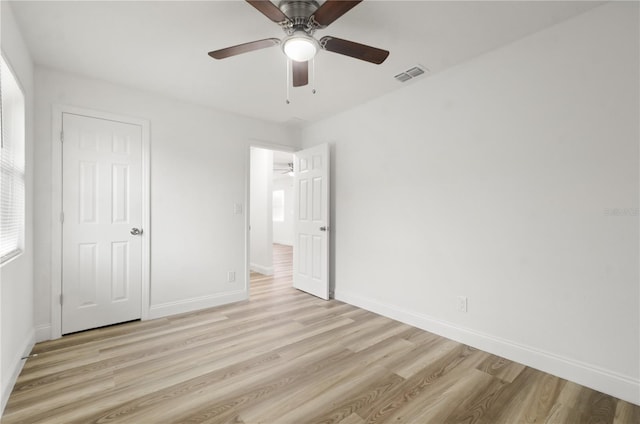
[298, 8]
[299, 13]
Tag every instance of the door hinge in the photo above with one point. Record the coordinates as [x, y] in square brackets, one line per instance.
[62, 217]
[61, 136]
[60, 298]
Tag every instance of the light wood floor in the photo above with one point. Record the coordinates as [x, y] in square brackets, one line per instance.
[286, 357]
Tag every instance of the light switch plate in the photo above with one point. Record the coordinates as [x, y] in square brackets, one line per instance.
[462, 303]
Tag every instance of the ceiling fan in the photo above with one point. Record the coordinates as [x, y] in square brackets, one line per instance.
[282, 169]
[300, 19]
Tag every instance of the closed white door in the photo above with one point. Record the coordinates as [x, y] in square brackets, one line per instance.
[311, 217]
[102, 217]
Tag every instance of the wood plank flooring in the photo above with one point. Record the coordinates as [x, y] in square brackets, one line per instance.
[285, 357]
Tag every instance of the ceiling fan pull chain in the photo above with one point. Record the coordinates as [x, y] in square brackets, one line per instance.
[313, 75]
[288, 79]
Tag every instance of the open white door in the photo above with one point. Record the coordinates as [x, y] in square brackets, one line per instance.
[311, 221]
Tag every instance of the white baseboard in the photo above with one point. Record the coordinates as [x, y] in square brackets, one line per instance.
[264, 270]
[195, 304]
[16, 366]
[43, 332]
[597, 378]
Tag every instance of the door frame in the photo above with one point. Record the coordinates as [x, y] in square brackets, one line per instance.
[56, 207]
[261, 144]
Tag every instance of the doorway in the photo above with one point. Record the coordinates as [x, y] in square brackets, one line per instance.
[305, 176]
[271, 214]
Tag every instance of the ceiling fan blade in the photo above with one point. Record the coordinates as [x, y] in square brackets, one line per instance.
[300, 73]
[244, 48]
[269, 10]
[355, 50]
[332, 10]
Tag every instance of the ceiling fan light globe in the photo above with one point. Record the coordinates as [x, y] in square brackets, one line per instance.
[300, 49]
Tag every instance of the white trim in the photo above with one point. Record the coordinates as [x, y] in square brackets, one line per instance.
[247, 222]
[264, 270]
[268, 145]
[56, 227]
[56, 207]
[197, 303]
[43, 332]
[146, 219]
[16, 368]
[597, 378]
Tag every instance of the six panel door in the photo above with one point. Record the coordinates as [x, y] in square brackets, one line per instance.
[102, 207]
[311, 217]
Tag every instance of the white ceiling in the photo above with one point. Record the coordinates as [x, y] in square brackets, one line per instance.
[162, 46]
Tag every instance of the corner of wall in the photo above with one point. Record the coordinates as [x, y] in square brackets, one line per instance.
[16, 365]
[43, 332]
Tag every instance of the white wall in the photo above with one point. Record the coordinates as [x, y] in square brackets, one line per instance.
[261, 235]
[199, 160]
[498, 180]
[16, 277]
[283, 231]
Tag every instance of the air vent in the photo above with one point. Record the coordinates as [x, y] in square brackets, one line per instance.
[403, 77]
[411, 73]
[415, 71]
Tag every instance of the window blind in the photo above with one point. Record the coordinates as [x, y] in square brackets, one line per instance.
[12, 165]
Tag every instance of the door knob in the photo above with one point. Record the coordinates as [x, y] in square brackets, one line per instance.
[323, 228]
[135, 231]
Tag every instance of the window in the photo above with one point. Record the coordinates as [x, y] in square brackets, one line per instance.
[12, 169]
[278, 206]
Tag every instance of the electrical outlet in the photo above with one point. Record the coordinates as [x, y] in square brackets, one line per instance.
[231, 276]
[462, 304]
